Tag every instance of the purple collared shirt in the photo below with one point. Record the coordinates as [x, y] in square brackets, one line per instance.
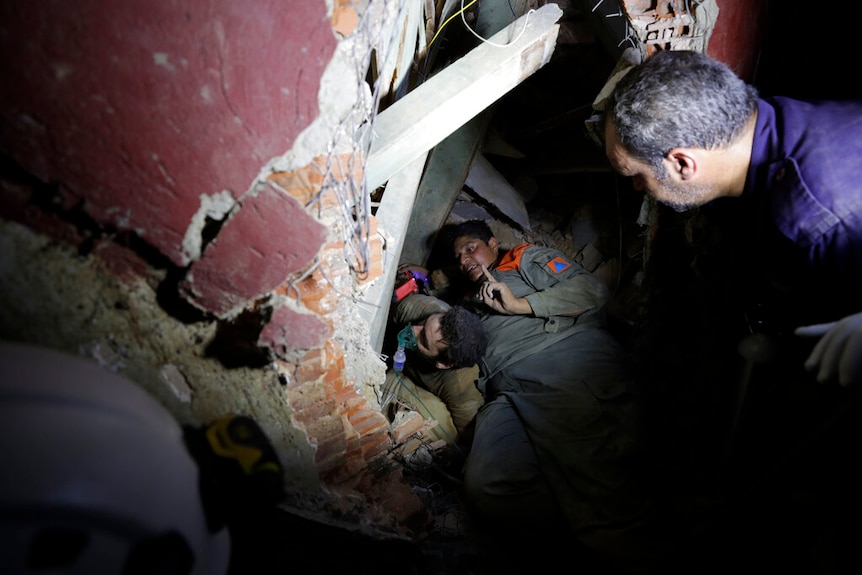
[805, 177]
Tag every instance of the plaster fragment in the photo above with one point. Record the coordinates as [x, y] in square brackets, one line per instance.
[161, 59]
[177, 382]
[215, 207]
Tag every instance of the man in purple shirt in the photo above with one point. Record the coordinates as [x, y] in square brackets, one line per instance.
[689, 132]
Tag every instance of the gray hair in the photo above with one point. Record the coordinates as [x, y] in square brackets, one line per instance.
[679, 98]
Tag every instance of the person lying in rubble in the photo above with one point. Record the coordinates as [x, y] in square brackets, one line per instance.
[785, 172]
[557, 441]
[438, 379]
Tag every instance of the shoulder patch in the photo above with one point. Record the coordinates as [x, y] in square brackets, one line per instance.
[558, 265]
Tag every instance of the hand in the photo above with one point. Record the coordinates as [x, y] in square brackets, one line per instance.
[838, 354]
[407, 268]
[500, 298]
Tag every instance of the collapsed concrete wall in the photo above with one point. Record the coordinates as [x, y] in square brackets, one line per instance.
[173, 209]
[182, 203]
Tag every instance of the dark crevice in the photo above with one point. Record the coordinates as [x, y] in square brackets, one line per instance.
[84, 233]
[235, 343]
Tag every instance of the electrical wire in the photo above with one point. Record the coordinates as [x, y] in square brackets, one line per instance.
[473, 32]
[449, 19]
[486, 41]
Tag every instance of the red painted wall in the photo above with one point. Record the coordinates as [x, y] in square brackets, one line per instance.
[737, 36]
[137, 109]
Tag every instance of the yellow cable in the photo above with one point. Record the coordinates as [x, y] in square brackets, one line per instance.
[448, 19]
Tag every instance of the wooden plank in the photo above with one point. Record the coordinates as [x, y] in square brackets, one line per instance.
[448, 100]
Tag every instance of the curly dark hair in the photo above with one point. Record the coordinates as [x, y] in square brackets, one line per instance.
[465, 335]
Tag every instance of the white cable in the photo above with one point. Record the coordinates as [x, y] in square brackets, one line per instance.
[518, 37]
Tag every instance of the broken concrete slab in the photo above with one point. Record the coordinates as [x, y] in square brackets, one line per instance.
[490, 185]
[254, 253]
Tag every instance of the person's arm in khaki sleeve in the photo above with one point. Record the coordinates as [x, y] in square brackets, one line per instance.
[417, 306]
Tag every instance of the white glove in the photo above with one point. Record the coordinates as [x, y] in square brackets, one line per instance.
[838, 354]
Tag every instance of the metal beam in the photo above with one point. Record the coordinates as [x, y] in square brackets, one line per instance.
[447, 109]
[392, 217]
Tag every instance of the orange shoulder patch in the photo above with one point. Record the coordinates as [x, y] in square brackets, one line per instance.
[558, 265]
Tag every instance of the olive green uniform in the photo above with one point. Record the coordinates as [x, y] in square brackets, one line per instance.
[448, 397]
[558, 438]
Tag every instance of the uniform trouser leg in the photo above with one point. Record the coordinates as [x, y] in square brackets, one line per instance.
[502, 478]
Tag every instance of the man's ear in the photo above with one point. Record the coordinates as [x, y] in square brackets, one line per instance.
[493, 243]
[682, 163]
[442, 365]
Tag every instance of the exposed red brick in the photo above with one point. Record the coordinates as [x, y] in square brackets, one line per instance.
[369, 425]
[345, 394]
[306, 394]
[326, 468]
[353, 466]
[396, 496]
[334, 355]
[306, 183]
[342, 384]
[407, 426]
[313, 410]
[356, 409]
[289, 330]
[310, 366]
[375, 444]
[334, 245]
[366, 420]
[354, 443]
[317, 294]
[334, 389]
[342, 470]
[344, 17]
[332, 446]
[297, 184]
[355, 404]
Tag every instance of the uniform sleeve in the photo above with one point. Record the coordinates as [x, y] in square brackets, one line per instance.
[562, 286]
[418, 306]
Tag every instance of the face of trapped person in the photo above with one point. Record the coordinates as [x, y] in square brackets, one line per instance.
[429, 339]
[472, 253]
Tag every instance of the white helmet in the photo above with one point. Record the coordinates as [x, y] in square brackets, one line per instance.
[95, 477]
